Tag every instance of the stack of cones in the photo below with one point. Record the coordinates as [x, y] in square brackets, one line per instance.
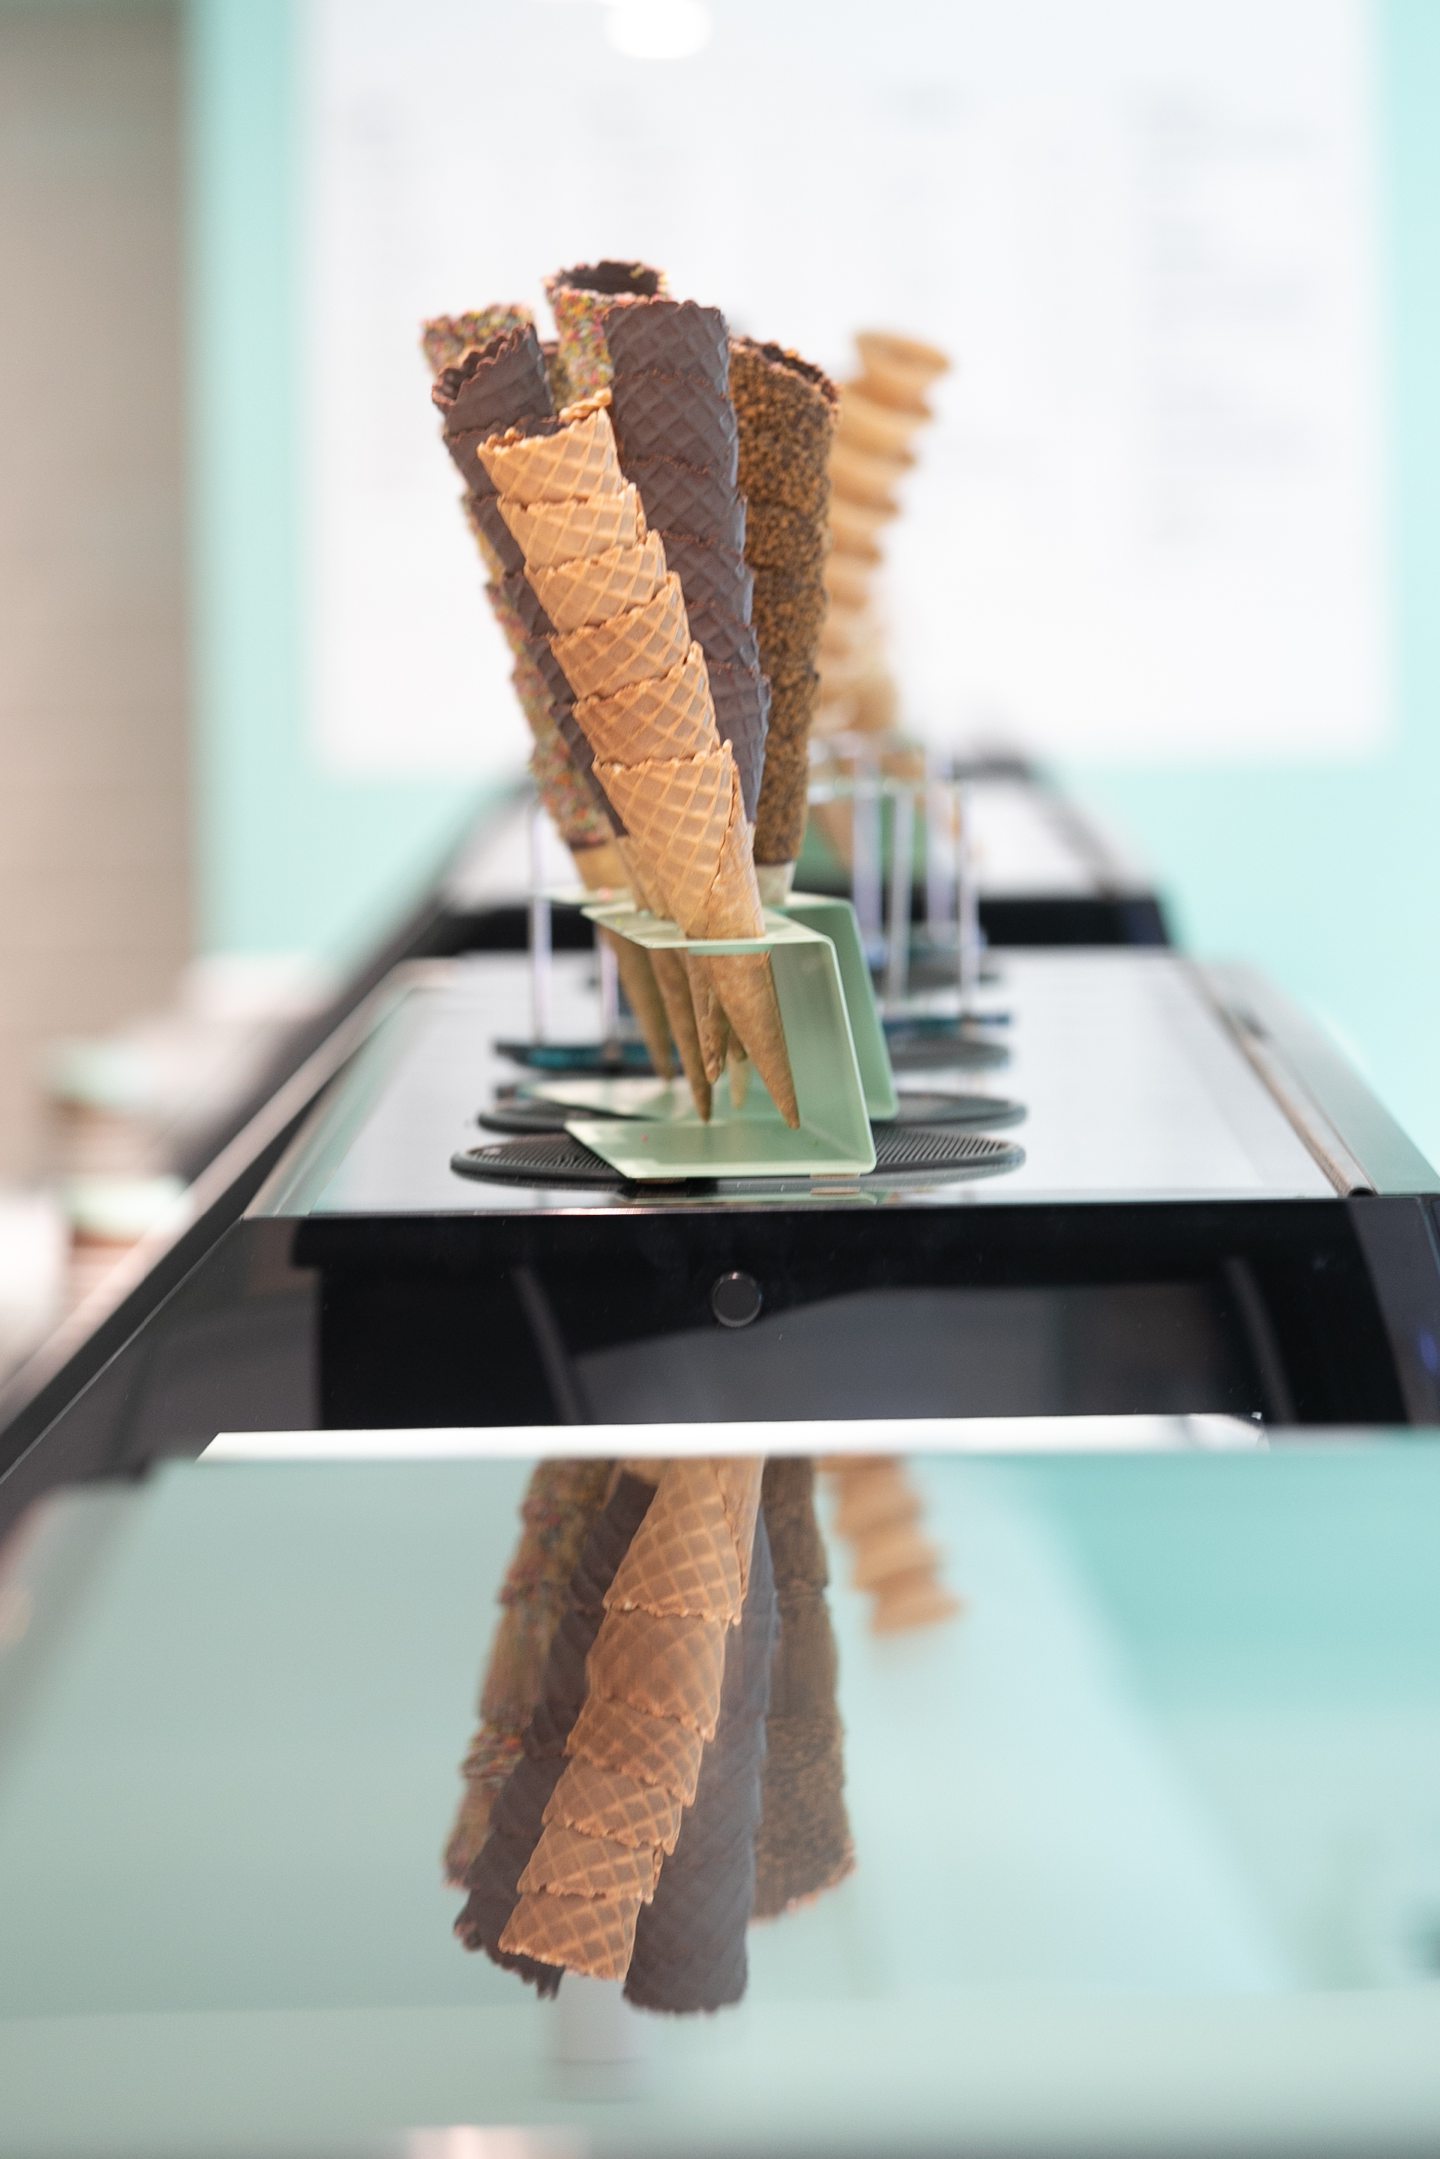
[678, 440]
[561, 1503]
[881, 412]
[679, 1772]
[880, 1514]
[580, 300]
[654, 1680]
[643, 701]
[804, 1846]
[786, 412]
[502, 383]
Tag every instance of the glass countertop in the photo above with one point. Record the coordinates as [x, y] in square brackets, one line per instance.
[1148, 1838]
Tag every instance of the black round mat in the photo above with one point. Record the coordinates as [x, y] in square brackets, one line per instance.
[554, 1158]
[985, 1112]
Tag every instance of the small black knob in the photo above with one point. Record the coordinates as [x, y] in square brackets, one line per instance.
[736, 1300]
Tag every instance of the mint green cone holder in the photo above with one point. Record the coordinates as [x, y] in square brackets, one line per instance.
[649, 1130]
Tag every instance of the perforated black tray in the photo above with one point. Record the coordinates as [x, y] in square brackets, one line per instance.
[554, 1158]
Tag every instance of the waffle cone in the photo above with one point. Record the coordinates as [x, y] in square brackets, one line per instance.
[710, 1020]
[876, 430]
[674, 983]
[677, 812]
[670, 1665]
[615, 1736]
[591, 589]
[644, 641]
[856, 526]
[592, 1935]
[570, 1862]
[745, 985]
[605, 1803]
[663, 716]
[863, 476]
[445, 339]
[873, 1492]
[578, 459]
[672, 337]
[693, 1558]
[905, 362]
[914, 1601]
[888, 1550]
[581, 299]
[554, 532]
[637, 976]
[848, 580]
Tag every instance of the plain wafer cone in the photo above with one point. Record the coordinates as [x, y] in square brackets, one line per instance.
[663, 716]
[591, 589]
[644, 641]
[692, 1559]
[637, 977]
[577, 459]
[554, 532]
[572, 1862]
[606, 1803]
[592, 1935]
[662, 1663]
[614, 1735]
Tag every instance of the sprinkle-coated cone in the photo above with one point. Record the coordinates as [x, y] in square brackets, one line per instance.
[446, 339]
[549, 533]
[577, 459]
[594, 588]
[581, 299]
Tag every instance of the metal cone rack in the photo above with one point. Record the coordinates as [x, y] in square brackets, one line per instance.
[649, 1130]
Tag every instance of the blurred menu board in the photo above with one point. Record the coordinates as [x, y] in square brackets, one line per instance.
[1149, 520]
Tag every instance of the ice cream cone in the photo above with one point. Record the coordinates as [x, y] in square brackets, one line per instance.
[615, 1736]
[672, 337]
[587, 1934]
[689, 1562]
[549, 533]
[663, 1664]
[877, 430]
[865, 477]
[637, 976]
[899, 370]
[675, 416]
[804, 1844]
[577, 459]
[879, 1514]
[669, 715]
[786, 410]
[607, 1804]
[446, 339]
[711, 576]
[581, 299]
[645, 641]
[592, 589]
[679, 498]
[571, 1862]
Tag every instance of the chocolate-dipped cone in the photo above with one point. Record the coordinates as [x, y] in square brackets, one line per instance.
[670, 337]
[804, 1844]
[516, 1823]
[786, 411]
[690, 1938]
[662, 415]
[446, 339]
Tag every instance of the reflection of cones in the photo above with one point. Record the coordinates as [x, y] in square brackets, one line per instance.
[561, 1503]
[690, 1938]
[493, 1879]
[688, 1561]
[879, 1514]
[804, 1843]
[591, 589]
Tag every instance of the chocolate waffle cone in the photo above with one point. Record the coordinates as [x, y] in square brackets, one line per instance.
[741, 698]
[675, 416]
[724, 639]
[446, 339]
[499, 549]
[549, 533]
[497, 386]
[593, 589]
[644, 641]
[581, 300]
[670, 337]
[678, 498]
[690, 1950]
[711, 576]
[577, 459]
[493, 1879]
[804, 1844]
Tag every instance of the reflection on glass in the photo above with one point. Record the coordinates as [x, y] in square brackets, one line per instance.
[660, 1751]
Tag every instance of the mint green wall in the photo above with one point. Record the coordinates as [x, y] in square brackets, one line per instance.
[292, 857]
[1329, 879]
